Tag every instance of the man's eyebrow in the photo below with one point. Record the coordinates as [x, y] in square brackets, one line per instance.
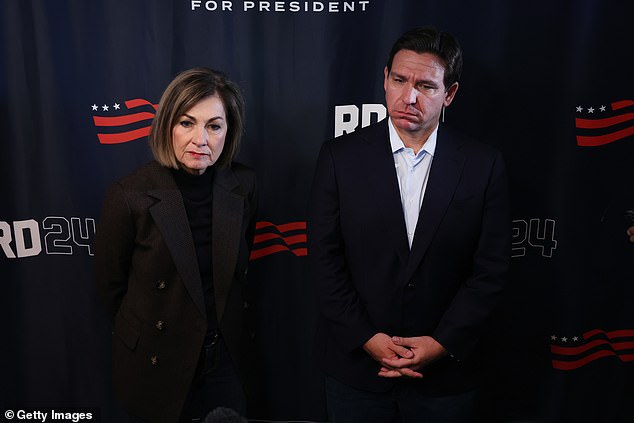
[418, 82]
[427, 82]
[397, 75]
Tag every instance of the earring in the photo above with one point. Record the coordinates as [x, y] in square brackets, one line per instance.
[442, 119]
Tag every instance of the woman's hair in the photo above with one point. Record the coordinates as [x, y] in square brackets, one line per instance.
[187, 89]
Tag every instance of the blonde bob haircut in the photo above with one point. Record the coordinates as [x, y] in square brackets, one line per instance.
[187, 89]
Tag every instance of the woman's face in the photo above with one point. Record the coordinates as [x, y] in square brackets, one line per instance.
[199, 135]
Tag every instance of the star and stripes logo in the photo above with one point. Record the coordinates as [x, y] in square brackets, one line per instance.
[119, 123]
[576, 351]
[605, 123]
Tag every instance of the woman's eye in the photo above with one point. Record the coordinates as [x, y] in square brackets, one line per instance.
[214, 127]
[186, 124]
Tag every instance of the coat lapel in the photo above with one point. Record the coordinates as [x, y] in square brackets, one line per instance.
[443, 179]
[381, 174]
[171, 218]
[227, 213]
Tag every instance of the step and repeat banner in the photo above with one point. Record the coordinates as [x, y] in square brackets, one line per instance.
[548, 83]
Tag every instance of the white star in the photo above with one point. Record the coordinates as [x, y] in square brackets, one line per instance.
[564, 339]
[553, 338]
[591, 110]
[117, 106]
[602, 108]
[579, 109]
[105, 108]
[95, 107]
[575, 339]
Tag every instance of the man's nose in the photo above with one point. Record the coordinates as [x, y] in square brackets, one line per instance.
[410, 95]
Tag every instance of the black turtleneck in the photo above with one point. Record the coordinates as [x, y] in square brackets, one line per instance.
[197, 196]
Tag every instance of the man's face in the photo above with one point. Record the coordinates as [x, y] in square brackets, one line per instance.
[415, 93]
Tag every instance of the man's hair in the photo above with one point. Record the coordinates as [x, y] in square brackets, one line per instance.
[430, 40]
[224, 415]
[187, 89]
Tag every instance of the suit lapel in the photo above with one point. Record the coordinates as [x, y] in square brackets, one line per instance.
[227, 212]
[443, 179]
[171, 218]
[382, 177]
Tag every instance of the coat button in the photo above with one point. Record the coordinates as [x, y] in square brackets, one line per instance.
[246, 305]
[161, 284]
[411, 284]
[154, 360]
[246, 271]
[160, 325]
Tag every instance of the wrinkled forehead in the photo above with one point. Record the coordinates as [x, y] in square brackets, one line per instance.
[413, 59]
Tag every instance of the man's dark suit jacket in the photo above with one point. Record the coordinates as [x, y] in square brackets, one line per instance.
[148, 277]
[368, 279]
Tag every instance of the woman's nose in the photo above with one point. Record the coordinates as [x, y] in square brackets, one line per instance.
[201, 137]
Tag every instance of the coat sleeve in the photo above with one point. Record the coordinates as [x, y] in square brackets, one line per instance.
[114, 243]
[339, 302]
[252, 213]
[459, 328]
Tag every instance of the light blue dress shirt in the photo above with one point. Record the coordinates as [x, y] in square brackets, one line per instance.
[412, 171]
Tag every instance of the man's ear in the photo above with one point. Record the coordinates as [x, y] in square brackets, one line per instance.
[450, 94]
[385, 75]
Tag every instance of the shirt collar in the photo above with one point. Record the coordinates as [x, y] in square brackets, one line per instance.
[397, 143]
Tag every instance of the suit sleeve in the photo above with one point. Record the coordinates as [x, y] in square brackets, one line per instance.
[114, 242]
[459, 329]
[252, 214]
[339, 302]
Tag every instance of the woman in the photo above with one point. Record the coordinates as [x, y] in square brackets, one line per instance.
[172, 249]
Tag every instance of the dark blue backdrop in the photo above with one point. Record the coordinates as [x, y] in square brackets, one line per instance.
[548, 83]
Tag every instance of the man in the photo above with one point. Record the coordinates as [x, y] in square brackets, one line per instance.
[409, 241]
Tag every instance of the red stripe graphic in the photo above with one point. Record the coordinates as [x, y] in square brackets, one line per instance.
[267, 251]
[122, 120]
[282, 228]
[604, 139]
[119, 124]
[611, 344]
[617, 346]
[622, 104]
[124, 136]
[271, 239]
[572, 365]
[295, 239]
[603, 123]
[613, 334]
[604, 127]
[137, 102]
